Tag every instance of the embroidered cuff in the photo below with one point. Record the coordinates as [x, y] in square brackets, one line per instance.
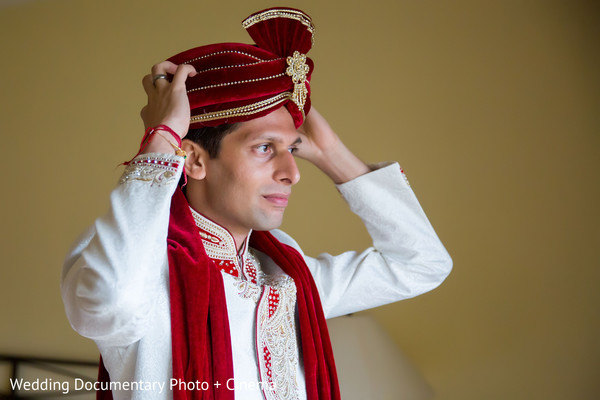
[387, 169]
[384, 164]
[154, 168]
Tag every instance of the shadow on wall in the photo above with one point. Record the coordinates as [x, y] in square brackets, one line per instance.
[370, 365]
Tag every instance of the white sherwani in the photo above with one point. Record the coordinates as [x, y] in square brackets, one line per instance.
[116, 291]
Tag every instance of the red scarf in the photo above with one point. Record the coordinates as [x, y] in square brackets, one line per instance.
[199, 323]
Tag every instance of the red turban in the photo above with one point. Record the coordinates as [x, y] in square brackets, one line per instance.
[237, 82]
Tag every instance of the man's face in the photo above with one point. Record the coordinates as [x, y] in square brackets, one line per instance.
[247, 186]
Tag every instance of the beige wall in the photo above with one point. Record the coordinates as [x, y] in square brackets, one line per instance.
[492, 107]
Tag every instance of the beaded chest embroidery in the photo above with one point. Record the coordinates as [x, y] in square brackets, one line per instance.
[275, 299]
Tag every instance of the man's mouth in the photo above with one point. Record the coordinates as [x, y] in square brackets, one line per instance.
[277, 199]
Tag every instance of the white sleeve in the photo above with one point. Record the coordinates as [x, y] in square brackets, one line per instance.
[406, 259]
[112, 274]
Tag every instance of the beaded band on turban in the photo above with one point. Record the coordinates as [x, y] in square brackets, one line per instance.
[237, 82]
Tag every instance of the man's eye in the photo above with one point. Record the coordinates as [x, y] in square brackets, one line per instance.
[293, 150]
[263, 148]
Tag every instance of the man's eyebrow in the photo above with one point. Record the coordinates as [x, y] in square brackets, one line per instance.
[277, 139]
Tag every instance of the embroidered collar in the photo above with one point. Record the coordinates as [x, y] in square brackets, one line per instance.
[221, 248]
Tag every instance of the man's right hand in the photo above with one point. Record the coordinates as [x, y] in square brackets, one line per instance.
[168, 103]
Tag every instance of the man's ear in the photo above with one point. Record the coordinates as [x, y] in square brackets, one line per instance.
[195, 163]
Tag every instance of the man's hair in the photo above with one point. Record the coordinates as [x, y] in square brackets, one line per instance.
[210, 137]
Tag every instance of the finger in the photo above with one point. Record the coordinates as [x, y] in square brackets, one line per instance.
[182, 73]
[160, 80]
[160, 71]
[165, 67]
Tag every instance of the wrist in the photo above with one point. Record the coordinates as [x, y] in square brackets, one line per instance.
[174, 128]
[164, 145]
[158, 145]
[340, 164]
[152, 133]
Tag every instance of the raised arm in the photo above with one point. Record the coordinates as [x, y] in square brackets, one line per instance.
[322, 147]
[114, 270]
[406, 258]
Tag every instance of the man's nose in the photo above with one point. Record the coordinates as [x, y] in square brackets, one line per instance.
[286, 170]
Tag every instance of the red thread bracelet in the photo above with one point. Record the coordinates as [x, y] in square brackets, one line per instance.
[171, 131]
[147, 136]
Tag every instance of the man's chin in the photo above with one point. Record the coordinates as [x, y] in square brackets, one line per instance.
[267, 224]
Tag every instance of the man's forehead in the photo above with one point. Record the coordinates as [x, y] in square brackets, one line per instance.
[267, 132]
[274, 136]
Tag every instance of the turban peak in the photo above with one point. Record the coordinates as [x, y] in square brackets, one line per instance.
[237, 82]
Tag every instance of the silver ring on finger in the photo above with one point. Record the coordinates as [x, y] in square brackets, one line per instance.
[157, 77]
